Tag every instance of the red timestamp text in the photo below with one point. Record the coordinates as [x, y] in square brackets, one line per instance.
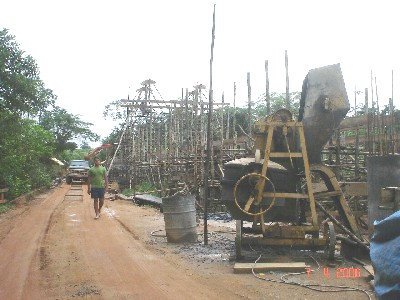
[339, 272]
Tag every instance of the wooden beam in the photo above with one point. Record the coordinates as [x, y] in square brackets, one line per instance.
[354, 188]
[240, 268]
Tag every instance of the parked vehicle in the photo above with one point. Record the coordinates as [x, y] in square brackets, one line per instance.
[77, 171]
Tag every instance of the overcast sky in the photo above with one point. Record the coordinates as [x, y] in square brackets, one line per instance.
[93, 52]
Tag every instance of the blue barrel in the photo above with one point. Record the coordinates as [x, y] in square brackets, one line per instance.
[180, 218]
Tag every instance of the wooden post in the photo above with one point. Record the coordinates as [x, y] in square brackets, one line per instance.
[202, 135]
[367, 114]
[392, 121]
[357, 152]
[369, 148]
[249, 102]
[227, 135]
[143, 148]
[170, 135]
[287, 80]
[373, 117]
[355, 101]
[234, 116]
[378, 116]
[222, 120]
[188, 130]
[196, 138]
[337, 167]
[209, 134]
[267, 97]
[221, 149]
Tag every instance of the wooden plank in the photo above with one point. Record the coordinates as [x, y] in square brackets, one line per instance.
[319, 195]
[240, 268]
[354, 188]
[285, 195]
[121, 197]
[285, 154]
[369, 269]
[2, 191]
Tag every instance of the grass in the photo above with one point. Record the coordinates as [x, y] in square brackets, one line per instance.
[5, 207]
[143, 187]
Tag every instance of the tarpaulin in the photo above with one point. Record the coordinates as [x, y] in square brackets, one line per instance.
[385, 257]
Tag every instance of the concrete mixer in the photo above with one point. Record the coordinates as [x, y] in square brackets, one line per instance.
[273, 187]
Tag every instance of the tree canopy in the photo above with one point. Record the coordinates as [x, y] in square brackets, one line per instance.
[21, 89]
[66, 128]
[32, 128]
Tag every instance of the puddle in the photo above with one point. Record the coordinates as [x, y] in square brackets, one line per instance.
[110, 212]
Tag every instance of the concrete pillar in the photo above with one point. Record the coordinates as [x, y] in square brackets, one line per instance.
[383, 171]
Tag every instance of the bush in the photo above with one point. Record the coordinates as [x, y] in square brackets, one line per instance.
[143, 187]
[6, 207]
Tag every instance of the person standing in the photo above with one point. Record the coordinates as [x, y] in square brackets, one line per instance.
[97, 185]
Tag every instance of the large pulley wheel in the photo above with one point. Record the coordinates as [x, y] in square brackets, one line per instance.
[330, 236]
[250, 202]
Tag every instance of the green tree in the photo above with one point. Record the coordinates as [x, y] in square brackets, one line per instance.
[66, 128]
[278, 101]
[21, 89]
[25, 151]
[259, 111]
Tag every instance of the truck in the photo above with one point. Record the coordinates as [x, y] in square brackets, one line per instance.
[78, 171]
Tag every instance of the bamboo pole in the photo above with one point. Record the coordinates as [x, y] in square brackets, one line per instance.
[187, 121]
[366, 113]
[378, 116]
[209, 133]
[357, 153]
[355, 100]
[392, 121]
[234, 116]
[373, 117]
[287, 80]
[202, 136]
[337, 169]
[267, 97]
[249, 102]
[196, 139]
[227, 123]
[369, 148]
[222, 133]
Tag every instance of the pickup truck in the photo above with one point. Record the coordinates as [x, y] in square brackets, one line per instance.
[77, 171]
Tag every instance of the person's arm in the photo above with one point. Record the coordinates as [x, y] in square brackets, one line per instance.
[105, 181]
[89, 183]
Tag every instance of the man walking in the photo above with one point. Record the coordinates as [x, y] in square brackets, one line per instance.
[97, 185]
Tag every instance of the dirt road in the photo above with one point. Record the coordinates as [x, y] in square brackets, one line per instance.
[52, 248]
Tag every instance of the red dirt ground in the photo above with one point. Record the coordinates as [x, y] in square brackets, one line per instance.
[52, 248]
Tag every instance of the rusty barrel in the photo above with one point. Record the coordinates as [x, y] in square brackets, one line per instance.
[180, 218]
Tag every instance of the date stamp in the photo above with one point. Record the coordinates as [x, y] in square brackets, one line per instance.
[340, 272]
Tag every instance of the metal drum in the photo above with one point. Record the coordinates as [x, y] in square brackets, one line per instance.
[180, 218]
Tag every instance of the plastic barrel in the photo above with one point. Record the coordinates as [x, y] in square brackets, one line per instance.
[180, 218]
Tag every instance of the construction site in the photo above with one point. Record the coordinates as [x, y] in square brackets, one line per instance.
[142, 161]
[299, 202]
[312, 179]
